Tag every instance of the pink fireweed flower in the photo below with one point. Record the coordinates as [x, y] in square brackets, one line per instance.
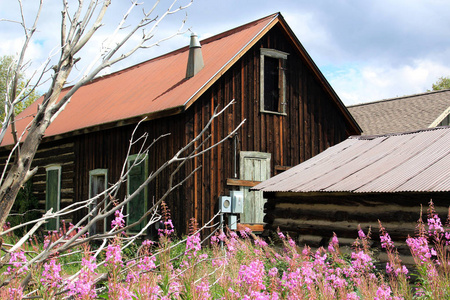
[259, 242]
[148, 243]
[113, 255]
[291, 242]
[147, 263]
[51, 274]
[14, 293]
[361, 234]
[383, 293]
[419, 248]
[352, 296]
[273, 272]
[202, 290]
[435, 225]
[84, 287]
[168, 228]
[281, 235]
[193, 244]
[386, 241]
[252, 276]
[334, 244]
[222, 236]
[118, 221]
[17, 260]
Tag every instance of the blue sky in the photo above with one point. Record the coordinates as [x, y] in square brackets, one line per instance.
[368, 50]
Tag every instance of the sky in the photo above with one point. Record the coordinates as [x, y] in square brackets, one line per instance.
[367, 49]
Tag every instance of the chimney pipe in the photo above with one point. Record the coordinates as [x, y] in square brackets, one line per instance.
[195, 60]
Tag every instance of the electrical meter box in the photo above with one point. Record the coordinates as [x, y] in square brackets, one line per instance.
[237, 202]
[225, 204]
[232, 222]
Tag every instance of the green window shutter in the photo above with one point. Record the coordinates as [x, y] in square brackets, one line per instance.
[52, 195]
[137, 206]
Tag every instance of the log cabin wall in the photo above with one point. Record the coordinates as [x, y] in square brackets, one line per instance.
[312, 220]
[60, 153]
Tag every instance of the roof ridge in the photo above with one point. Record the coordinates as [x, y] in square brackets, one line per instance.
[398, 98]
[371, 137]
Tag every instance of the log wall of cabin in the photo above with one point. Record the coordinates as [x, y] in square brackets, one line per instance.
[312, 220]
[51, 154]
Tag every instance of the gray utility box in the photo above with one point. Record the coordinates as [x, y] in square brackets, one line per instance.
[237, 202]
[232, 222]
[225, 204]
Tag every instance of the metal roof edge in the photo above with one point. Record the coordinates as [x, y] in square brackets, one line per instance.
[398, 98]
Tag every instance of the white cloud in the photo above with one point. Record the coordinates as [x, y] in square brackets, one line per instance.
[358, 84]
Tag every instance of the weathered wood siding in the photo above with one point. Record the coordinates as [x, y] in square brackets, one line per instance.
[312, 220]
[312, 124]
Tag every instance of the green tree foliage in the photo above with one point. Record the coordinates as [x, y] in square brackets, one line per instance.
[7, 67]
[442, 83]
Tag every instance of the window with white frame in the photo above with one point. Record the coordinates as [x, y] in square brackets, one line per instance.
[53, 194]
[273, 81]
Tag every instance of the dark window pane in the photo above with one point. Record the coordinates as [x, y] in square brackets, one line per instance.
[97, 187]
[136, 207]
[52, 196]
[271, 90]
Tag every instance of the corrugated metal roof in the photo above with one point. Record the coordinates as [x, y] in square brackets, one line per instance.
[405, 162]
[407, 113]
[153, 86]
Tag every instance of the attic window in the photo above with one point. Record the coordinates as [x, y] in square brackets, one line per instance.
[273, 81]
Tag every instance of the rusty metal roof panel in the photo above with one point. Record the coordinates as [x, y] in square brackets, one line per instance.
[149, 87]
[405, 162]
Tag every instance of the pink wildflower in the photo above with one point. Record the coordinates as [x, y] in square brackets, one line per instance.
[17, 260]
[435, 225]
[386, 241]
[84, 287]
[202, 290]
[51, 275]
[252, 276]
[193, 244]
[118, 221]
[113, 255]
[383, 293]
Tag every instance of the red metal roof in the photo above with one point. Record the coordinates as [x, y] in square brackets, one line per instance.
[406, 162]
[153, 86]
[158, 87]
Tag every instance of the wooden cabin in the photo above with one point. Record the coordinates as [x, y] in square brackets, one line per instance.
[360, 181]
[291, 113]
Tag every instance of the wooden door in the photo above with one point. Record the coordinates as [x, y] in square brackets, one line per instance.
[254, 166]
